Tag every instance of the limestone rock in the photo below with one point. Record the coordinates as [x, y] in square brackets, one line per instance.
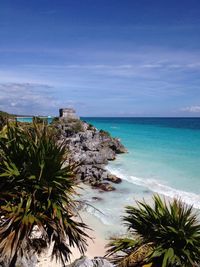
[91, 150]
[113, 178]
[105, 186]
[82, 262]
[101, 262]
[96, 262]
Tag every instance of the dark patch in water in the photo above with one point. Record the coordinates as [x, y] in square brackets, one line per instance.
[97, 198]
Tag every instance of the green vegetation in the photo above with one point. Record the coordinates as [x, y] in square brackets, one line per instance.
[5, 114]
[4, 117]
[77, 126]
[39, 120]
[167, 234]
[55, 120]
[36, 193]
[3, 122]
[105, 133]
[37, 189]
[71, 126]
[90, 126]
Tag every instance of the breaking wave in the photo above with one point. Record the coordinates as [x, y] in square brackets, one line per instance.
[157, 187]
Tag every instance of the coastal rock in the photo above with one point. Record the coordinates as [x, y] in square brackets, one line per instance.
[113, 178]
[91, 150]
[104, 186]
[91, 173]
[101, 262]
[117, 146]
[96, 262]
[82, 262]
[108, 152]
[27, 261]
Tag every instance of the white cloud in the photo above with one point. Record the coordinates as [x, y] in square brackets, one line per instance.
[35, 99]
[192, 109]
[27, 98]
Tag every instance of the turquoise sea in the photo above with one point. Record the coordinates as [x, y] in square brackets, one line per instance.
[163, 157]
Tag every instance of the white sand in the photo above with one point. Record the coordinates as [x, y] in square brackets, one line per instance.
[96, 245]
[100, 234]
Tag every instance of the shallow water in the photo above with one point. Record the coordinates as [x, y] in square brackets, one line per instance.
[164, 158]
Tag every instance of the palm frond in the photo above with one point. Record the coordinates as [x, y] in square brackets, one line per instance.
[171, 228]
[37, 189]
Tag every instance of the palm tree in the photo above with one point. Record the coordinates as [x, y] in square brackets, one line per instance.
[36, 193]
[167, 234]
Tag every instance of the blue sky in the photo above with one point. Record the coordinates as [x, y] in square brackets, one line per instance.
[102, 57]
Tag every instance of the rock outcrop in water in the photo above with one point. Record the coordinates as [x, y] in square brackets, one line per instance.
[91, 149]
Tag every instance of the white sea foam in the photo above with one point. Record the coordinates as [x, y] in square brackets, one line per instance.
[153, 185]
[156, 186]
[104, 218]
[116, 171]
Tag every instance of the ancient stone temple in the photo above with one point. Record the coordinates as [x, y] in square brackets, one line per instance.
[68, 113]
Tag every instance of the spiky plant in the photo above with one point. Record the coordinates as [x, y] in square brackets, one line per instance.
[36, 193]
[165, 234]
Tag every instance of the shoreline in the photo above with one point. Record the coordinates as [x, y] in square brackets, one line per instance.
[96, 245]
[100, 232]
[137, 188]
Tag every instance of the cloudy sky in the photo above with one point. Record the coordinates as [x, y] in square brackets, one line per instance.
[102, 57]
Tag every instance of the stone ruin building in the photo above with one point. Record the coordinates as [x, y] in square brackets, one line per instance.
[68, 114]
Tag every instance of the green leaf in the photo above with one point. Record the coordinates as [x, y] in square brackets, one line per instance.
[167, 257]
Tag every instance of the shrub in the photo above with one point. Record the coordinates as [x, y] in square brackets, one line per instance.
[105, 133]
[167, 234]
[77, 126]
[36, 192]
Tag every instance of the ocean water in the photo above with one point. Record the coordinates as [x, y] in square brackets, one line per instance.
[163, 157]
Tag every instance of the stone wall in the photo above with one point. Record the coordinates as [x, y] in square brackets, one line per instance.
[68, 113]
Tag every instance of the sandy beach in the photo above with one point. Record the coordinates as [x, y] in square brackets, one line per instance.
[96, 245]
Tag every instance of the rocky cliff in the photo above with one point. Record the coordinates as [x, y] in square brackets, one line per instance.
[91, 150]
